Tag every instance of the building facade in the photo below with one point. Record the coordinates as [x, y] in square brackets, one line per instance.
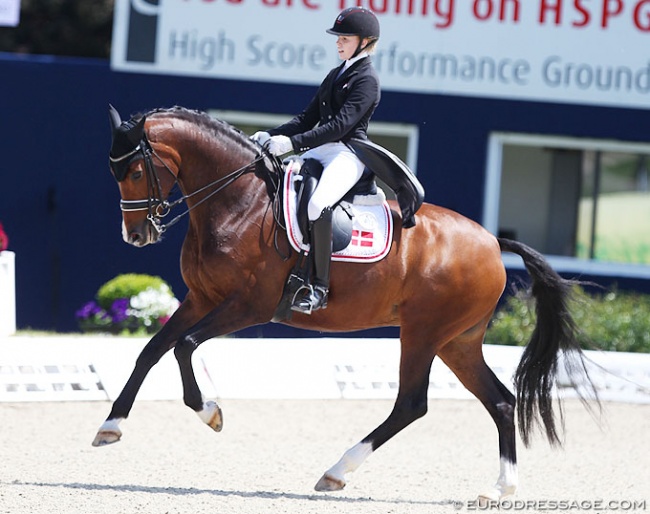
[549, 148]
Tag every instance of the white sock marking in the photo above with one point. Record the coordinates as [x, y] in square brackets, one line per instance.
[507, 482]
[208, 410]
[111, 425]
[351, 460]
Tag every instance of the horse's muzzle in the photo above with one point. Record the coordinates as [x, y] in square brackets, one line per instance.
[140, 235]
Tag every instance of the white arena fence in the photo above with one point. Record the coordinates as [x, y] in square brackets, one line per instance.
[65, 368]
[7, 293]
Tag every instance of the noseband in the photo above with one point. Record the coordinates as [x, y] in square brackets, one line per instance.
[158, 207]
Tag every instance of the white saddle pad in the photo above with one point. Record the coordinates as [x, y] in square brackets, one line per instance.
[372, 223]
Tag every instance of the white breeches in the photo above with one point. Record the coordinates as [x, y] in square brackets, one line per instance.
[342, 169]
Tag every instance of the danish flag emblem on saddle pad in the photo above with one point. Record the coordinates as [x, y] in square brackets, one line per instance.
[362, 238]
[372, 224]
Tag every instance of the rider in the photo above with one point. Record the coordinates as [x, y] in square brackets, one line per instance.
[340, 110]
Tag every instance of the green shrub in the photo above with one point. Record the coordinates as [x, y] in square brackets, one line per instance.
[126, 286]
[611, 321]
[129, 304]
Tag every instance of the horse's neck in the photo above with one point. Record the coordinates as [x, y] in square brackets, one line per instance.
[229, 202]
[206, 161]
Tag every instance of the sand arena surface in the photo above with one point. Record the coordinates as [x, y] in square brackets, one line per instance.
[271, 453]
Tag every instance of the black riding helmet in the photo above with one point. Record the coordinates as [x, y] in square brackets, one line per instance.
[356, 21]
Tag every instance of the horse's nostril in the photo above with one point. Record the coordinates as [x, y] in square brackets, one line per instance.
[134, 237]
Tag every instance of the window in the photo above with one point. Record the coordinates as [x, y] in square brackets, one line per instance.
[577, 200]
[399, 138]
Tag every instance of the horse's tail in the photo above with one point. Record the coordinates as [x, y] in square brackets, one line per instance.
[555, 332]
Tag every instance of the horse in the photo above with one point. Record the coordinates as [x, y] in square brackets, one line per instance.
[440, 283]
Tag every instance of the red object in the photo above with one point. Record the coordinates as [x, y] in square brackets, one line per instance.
[362, 238]
[4, 240]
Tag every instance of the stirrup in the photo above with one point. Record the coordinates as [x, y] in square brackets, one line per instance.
[309, 298]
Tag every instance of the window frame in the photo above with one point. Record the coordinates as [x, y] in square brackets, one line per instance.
[492, 197]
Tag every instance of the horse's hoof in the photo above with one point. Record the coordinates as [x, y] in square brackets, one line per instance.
[487, 498]
[212, 415]
[329, 483]
[105, 437]
[484, 500]
[108, 433]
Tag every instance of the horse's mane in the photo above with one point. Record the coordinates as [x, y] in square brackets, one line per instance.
[219, 130]
[214, 126]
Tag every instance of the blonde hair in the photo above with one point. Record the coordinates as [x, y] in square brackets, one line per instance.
[371, 46]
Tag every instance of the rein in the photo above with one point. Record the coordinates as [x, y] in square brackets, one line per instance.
[158, 207]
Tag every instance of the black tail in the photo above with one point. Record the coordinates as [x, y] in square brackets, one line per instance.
[555, 332]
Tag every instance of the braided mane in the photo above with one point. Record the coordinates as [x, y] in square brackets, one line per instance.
[215, 127]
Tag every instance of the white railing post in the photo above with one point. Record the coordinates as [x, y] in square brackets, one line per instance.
[7, 293]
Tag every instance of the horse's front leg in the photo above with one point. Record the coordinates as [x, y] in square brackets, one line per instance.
[160, 344]
[231, 315]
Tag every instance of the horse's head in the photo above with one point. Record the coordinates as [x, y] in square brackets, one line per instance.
[145, 175]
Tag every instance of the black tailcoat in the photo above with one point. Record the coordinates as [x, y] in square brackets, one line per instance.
[340, 110]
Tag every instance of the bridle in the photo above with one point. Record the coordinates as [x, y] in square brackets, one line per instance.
[158, 207]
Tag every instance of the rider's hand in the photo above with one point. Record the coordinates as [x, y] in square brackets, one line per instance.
[279, 145]
[261, 137]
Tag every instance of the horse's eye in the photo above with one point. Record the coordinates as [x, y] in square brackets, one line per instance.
[136, 175]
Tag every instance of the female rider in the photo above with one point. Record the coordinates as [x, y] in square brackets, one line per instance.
[340, 110]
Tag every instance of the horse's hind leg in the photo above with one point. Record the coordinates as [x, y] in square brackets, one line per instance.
[464, 357]
[411, 404]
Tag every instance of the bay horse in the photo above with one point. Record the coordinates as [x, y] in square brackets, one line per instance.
[440, 283]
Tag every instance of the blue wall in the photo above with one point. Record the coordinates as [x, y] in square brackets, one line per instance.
[59, 203]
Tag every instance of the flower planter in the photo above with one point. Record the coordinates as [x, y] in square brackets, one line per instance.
[7, 294]
[128, 304]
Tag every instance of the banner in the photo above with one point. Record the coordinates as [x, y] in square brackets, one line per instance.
[576, 51]
[9, 13]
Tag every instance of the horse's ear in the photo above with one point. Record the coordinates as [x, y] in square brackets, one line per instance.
[114, 117]
[126, 136]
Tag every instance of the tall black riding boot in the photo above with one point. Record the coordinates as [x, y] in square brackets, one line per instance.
[312, 297]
